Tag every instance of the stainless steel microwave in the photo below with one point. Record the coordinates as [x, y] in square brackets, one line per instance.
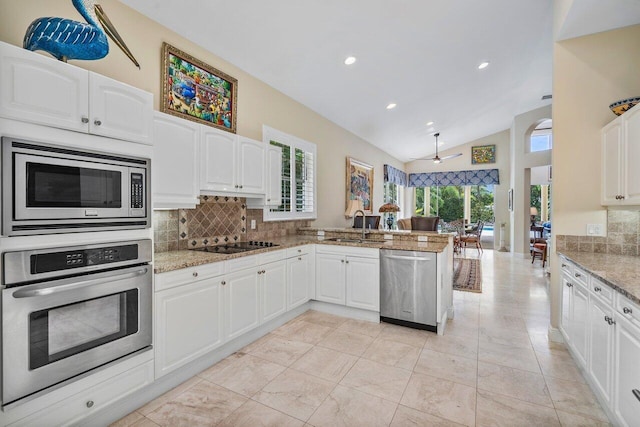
[52, 189]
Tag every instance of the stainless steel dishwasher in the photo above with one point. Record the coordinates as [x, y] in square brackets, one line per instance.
[408, 288]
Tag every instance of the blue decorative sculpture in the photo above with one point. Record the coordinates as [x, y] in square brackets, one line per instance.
[67, 39]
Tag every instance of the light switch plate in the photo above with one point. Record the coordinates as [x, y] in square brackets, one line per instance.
[388, 237]
[595, 230]
[321, 233]
[253, 224]
[422, 238]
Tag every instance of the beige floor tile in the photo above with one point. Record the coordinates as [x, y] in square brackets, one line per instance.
[508, 337]
[541, 343]
[347, 342]
[392, 353]
[499, 410]
[406, 416]
[128, 420]
[168, 396]
[144, 422]
[575, 397]
[324, 319]
[295, 393]
[204, 404]
[254, 414]
[303, 331]
[243, 373]
[448, 366]
[401, 334]
[456, 345]
[445, 399]
[506, 355]
[559, 365]
[521, 385]
[256, 344]
[325, 363]
[371, 329]
[281, 350]
[460, 328]
[346, 407]
[377, 379]
[573, 420]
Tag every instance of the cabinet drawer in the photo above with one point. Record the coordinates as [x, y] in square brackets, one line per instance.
[272, 256]
[581, 276]
[602, 290]
[566, 266]
[241, 263]
[298, 250]
[184, 276]
[348, 250]
[628, 308]
[81, 405]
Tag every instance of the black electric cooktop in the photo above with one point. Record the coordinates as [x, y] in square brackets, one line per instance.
[234, 248]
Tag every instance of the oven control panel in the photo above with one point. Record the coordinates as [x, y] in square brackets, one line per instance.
[56, 261]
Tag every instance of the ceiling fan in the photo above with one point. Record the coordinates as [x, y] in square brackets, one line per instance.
[437, 159]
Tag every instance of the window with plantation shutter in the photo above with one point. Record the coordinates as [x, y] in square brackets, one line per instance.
[298, 177]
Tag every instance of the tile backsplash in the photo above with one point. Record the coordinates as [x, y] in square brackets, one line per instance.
[623, 236]
[217, 220]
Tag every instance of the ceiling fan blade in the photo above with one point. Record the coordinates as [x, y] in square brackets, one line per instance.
[422, 158]
[451, 156]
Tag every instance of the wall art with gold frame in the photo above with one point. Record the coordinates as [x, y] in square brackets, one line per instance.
[360, 183]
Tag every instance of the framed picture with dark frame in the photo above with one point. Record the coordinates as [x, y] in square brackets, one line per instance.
[360, 183]
[196, 91]
[482, 154]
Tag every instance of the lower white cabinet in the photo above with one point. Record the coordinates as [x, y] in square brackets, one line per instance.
[273, 278]
[242, 302]
[330, 278]
[626, 406]
[363, 283]
[575, 306]
[601, 336]
[298, 278]
[189, 323]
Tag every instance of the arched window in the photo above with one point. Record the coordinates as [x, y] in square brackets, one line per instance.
[541, 137]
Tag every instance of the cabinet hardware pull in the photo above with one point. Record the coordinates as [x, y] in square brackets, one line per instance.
[627, 310]
[223, 283]
[347, 262]
[264, 271]
[97, 122]
[89, 403]
[341, 260]
[299, 259]
[299, 250]
[569, 285]
[597, 289]
[236, 185]
[564, 265]
[241, 186]
[578, 275]
[85, 119]
[195, 274]
[636, 393]
[607, 319]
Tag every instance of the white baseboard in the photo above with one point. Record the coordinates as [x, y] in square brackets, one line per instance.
[554, 334]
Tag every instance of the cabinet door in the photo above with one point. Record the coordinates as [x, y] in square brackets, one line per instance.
[601, 346]
[242, 301]
[567, 296]
[175, 163]
[188, 323]
[37, 89]
[611, 163]
[251, 166]
[631, 176]
[274, 290]
[579, 322]
[363, 283]
[274, 176]
[298, 280]
[217, 161]
[330, 278]
[119, 111]
[627, 374]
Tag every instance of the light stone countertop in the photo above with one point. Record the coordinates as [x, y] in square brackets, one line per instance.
[621, 272]
[175, 260]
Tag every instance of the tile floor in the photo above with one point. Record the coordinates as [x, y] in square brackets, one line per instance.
[494, 366]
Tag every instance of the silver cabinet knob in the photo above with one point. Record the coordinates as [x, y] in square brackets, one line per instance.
[241, 186]
[85, 119]
[347, 262]
[236, 185]
[89, 403]
[597, 289]
[627, 310]
[578, 275]
[299, 259]
[97, 122]
[569, 285]
[342, 260]
[195, 274]
[223, 283]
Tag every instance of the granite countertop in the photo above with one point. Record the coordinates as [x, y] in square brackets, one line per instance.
[621, 272]
[175, 260]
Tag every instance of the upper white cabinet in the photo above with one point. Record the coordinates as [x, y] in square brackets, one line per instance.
[620, 149]
[231, 164]
[38, 89]
[175, 159]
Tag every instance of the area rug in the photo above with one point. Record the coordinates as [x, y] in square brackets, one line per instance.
[466, 275]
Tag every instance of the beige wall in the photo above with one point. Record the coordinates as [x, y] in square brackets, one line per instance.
[501, 140]
[590, 73]
[258, 103]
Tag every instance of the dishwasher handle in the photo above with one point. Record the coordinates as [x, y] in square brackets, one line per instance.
[407, 258]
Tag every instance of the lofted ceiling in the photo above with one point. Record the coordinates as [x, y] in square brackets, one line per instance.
[422, 55]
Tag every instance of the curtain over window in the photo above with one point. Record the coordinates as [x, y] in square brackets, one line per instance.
[470, 177]
[394, 176]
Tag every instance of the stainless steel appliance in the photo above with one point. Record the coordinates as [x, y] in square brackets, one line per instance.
[66, 311]
[408, 288]
[52, 189]
[237, 247]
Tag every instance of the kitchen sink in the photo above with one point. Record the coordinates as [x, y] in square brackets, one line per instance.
[345, 240]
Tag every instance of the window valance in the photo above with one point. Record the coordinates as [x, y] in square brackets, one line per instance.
[395, 176]
[470, 177]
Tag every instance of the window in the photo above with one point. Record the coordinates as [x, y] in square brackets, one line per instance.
[482, 203]
[391, 193]
[298, 177]
[541, 137]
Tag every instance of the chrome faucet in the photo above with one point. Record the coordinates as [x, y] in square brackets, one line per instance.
[364, 217]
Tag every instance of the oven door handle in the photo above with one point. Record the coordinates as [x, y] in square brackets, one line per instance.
[73, 284]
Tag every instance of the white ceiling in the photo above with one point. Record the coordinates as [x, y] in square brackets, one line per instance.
[421, 54]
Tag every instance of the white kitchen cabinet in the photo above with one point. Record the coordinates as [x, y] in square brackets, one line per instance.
[601, 339]
[242, 302]
[626, 399]
[175, 162]
[575, 309]
[42, 90]
[298, 278]
[273, 196]
[231, 164]
[620, 147]
[330, 278]
[363, 283]
[273, 278]
[189, 323]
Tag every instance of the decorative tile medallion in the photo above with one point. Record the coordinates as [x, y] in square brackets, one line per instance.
[216, 219]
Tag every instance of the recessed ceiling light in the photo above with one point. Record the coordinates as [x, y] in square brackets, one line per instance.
[350, 60]
[483, 65]
[429, 123]
[391, 106]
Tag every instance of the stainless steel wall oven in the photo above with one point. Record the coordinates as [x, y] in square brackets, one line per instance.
[67, 311]
[53, 189]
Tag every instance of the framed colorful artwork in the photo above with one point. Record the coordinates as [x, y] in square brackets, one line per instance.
[360, 183]
[196, 91]
[483, 154]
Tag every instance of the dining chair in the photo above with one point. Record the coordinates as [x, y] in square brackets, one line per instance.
[372, 222]
[424, 223]
[473, 236]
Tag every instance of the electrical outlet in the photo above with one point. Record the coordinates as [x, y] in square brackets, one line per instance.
[320, 233]
[422, 238]
[595, 230]
[253, 224]
[388, 237]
